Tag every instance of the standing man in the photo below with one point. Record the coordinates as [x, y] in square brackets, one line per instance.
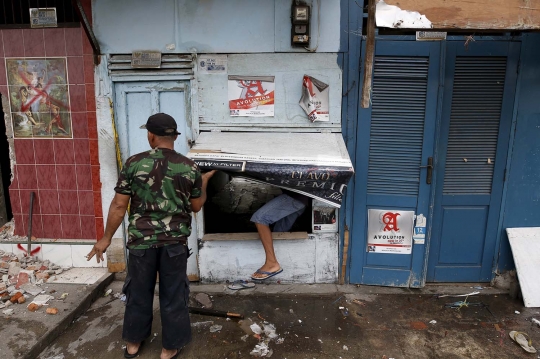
[281, 211]
[164, 188]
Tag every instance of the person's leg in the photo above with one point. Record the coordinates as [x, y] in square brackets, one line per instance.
[271, 264]
[139, 291]
[274, 211]
[173, 299]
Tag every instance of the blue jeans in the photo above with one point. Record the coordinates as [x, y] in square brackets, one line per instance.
[282, 210]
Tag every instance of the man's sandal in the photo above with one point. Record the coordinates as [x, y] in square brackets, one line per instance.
[129, 356]
[267, 274]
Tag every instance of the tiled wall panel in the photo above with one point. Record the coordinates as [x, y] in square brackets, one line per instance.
[63, 173]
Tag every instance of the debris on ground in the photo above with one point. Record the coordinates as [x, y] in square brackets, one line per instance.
[523, 340]
[52, 311]
[204, 300]
[457, 295]
[535, 321]
[202, 324]
[8, 311]
[433, 322]
[22, 277]
[256, 328]
[42, 299]
[517, 312]
[244, 337]
[33, 307]
[108, 292]
[215, 328]
[261, 350]
[154, 337]
[346, 348]
[356, 301]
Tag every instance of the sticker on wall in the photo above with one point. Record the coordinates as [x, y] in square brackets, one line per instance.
[251, 96]
[212, 64]
[315, 99]
[324, 217]
[390, 231]
[39, 97]
[419, 234]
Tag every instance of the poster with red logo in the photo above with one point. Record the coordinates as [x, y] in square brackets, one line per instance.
[390, 231]
[251, 96]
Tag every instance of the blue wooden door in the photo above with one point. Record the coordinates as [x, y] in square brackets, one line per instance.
[470, 164]
[395, 139]
[134, 103]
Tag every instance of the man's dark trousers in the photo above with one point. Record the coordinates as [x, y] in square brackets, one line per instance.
[171, 263]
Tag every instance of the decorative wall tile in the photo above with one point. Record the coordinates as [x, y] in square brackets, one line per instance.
[77, 98]
[73, 41]
[84, 177]
[88, 227]
[34, 44]
[49, 202]
[71, 226]
[44, 151]
[24, 151]
[69, 202]
[64, 152]
[80, 125]
[25, 201]
[67, 178]
[15, 200]
[54, 42]
[86, 203]
[46, 176]
[75, 70]
[15, 46]
[82, 151]
[26, 175]
[52, 227]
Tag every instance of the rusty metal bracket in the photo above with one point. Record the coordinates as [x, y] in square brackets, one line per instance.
[88, 30]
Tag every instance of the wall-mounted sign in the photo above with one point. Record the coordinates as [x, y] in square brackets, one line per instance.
[430, 35]
[212, 64]
[314, 99]
[43, 17]
[146, 59]
[390, 231]
[251, 96]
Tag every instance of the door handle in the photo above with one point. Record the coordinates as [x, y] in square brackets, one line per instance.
[429, 167]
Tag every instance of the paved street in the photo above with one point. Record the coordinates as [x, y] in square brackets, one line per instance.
[314, 326]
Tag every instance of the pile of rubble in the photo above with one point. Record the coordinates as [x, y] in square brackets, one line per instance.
[21, 280]
[7, 233]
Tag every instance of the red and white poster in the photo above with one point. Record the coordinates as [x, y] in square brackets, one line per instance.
[390, 231]
[251, 96]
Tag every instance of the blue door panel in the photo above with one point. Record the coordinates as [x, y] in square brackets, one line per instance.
[386, 277]
[464, 231]
[470, 160]
[464, 274]
[395, 138]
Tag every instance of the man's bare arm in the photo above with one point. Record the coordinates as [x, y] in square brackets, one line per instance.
[197, 203]
[115, 217]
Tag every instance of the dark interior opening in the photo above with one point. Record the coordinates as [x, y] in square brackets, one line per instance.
[5, 167]
[232, 201]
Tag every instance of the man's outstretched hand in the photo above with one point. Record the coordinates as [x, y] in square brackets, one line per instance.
[99, 248]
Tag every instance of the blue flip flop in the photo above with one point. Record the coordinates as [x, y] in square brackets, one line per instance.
[241, 284]
[268, 274]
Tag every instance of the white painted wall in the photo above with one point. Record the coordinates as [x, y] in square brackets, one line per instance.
[288, 69]
[211, 26]
[313, 260]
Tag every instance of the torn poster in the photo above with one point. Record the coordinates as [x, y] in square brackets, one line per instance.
[316, 165]
[251, 96]
[390, 231]
[315, 99]
[393, 17]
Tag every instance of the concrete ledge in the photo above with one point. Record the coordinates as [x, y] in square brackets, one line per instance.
[350, 289]
[94, 291]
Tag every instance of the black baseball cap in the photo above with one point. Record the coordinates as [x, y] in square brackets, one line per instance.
[161, 124]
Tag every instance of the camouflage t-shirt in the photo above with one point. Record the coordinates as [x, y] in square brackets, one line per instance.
[160, 183]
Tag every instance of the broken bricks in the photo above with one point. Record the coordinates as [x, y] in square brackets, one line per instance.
[52, 311]
[33, 307]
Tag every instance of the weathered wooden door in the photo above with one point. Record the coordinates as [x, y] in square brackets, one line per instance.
[134, 103]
